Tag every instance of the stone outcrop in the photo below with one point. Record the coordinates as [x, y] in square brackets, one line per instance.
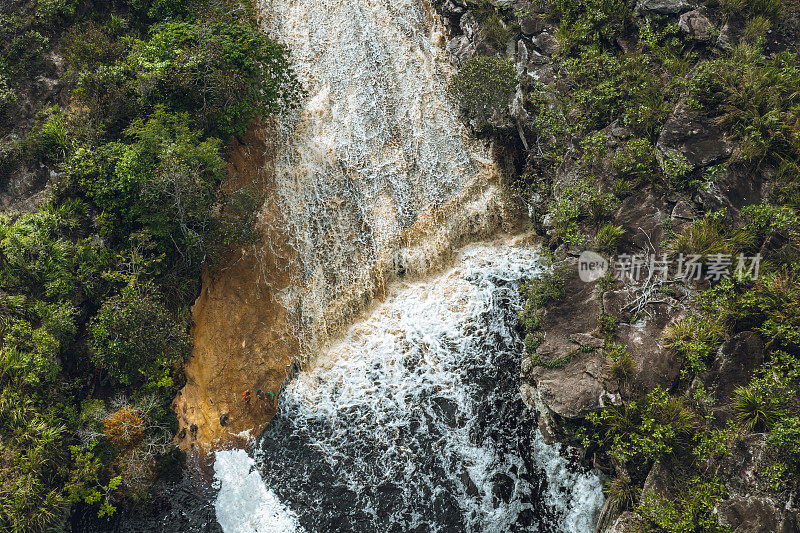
[663, 7]
[243, 336]
[695, 137]
[751, 505]
[696, 25]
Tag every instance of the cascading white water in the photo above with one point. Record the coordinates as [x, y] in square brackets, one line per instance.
[413, 420]
[376, 174]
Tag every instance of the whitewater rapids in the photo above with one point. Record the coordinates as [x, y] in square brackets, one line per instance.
[413, 421]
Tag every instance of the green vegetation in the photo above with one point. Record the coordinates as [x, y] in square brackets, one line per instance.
[95, 285]
[621, 75]
[607, 237]
[484, 86]
[692, 509]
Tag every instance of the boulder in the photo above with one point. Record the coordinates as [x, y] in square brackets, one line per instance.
[640, 215]
[756, 514]
[663, 7]
[752, 506]
[694, 136]
[531, 24]
[683, 210]
[627, 523]
[453, 8]
[575, 389]
[461, 49]
[572, 316]
[696, 25]
[546, 43]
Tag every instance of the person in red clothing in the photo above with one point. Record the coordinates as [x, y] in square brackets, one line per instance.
[246, 397]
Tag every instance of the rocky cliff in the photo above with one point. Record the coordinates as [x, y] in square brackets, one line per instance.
[623, 124]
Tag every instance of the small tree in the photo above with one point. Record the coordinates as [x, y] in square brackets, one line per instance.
[124, 427]
[133, 335]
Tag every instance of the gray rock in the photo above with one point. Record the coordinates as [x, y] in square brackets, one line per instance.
[461, 49]
[451, 8]
[588, 341]
[470, 26]
[531, 24]
[734, 364]
[546, 43]
[696, 25]
[730, 34]
[755, 514]
[574, 390]
[627, 523]
[683, 210]
[658, 481]
[663, 7]
[694, 136]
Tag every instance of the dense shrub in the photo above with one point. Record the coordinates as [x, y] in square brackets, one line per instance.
[484, 86]
[133, 336]
[95, 284]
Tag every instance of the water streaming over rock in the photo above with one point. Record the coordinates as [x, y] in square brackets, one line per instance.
[377, 176]
[407, 418]
[413, 421]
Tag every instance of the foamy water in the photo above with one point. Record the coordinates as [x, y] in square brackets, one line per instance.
[413, 420]
[244, 504]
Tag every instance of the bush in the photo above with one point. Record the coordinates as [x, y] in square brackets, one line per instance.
[581, 201]
[696, 340]
[484, 86]
[51, 141]
[226, 74]
[621, 363]
[708, 236]
[757, 99]
[641, 432]
[756, 407]
[545, 288]
[784, 445]
[133, 335]
[607, 237]
[622, 493]
[52, 10]
[749, 8]
[691, 510]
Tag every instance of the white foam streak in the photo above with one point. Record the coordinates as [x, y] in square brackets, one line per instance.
[244, 504]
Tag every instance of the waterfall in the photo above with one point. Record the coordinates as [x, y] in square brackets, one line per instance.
[376, 175]
[407, 416]
[413, 420]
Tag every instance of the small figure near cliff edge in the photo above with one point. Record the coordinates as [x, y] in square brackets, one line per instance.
[246, 397]
[260, 395]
